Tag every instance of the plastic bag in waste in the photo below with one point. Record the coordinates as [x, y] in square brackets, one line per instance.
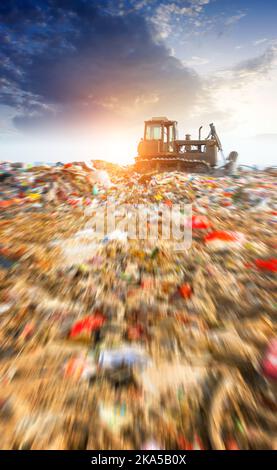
[200, 222]
[267, 265]
[86, 325]
[125, 355]
[222, 240]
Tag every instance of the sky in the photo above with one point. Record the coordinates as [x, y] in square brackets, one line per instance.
[79, 77]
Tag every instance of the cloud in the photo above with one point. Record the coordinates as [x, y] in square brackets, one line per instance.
[258, 42]
[234, 18]
[256, 66]
[246, 71]
[68, 61]
[196, 61]
[245, 91]
[167, 14]
[82, 64]
[181, 19]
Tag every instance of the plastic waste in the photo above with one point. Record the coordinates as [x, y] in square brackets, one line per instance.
[269, 364]
[86, 325]
[95, 190]
[159, 348]
[5, 308]
[200, 222]
[185, 291]
[221, 240]
[267, 265]
[125, 355]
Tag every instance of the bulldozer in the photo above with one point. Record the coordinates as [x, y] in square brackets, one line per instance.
[161, 150]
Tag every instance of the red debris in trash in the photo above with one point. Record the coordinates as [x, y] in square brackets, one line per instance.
[267, 265]
[222, 235]
[231, 444]
[5, 203]
[226, 203]
[28, 331]
[72, 202]
[185, 291]
[134, 332]
[269, 363]
[147, 283]
[183, 443]
[75, 366]
[186, 445]
[200, 222]
[87, 325]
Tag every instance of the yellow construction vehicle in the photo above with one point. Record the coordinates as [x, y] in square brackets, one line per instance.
[161, 150]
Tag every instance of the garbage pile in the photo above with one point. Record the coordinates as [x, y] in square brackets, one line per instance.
[109, 342]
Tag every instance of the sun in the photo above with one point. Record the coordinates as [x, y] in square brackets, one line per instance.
[117, 149]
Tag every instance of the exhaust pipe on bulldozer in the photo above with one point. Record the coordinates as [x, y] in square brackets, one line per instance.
[199, 132]
[188, 147]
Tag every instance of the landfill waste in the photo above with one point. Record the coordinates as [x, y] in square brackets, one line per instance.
[111, 342]
[270, 361]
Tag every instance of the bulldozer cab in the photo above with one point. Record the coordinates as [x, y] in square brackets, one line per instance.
[159, 137]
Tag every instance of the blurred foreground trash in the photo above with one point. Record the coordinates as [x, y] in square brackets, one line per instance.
[108, 342]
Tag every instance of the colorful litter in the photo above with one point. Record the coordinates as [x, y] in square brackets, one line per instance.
[113, 342]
